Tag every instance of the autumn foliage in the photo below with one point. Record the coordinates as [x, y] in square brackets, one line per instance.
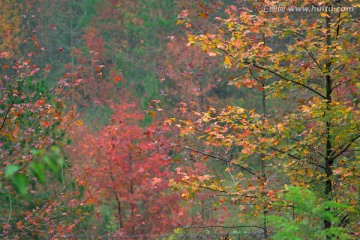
[129, 171]
[312, 139]
[179, 119]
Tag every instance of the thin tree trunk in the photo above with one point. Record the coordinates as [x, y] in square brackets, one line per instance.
[132, 193]
[328, 145]
[118, 202]
[262, 163]
[263, 173]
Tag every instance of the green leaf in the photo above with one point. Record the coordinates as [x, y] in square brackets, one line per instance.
[54, 159]
[37, 152]
[11, 169]
[38, 170]
[20, 182]
[56, 150]
[52, 163]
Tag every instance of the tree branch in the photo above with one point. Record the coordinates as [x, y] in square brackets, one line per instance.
[223, 160]
[280, 151]
[346, 148]
[343, 220]
[220, 226]
[287, 79]
[7, 113]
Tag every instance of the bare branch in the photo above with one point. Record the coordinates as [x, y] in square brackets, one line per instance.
[345, 148]
[7, 113]
[223, 160]
[220, 226]
[287, 79]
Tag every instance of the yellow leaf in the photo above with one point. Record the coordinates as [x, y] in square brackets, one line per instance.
[324, 14]
[280, 127]
[227, 62]
[240, 110]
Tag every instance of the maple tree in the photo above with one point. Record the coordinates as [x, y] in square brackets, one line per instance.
[129, 172]
[306, 61]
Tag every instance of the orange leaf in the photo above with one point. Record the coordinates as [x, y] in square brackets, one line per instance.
[117, 79]
[19, 225]
[203, 15]
[45, 123]
[155, 181]
[152, 113]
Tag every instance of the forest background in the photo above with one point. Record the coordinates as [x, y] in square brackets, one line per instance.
[164, 119]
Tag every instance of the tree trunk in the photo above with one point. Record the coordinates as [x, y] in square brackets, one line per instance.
[328, 145]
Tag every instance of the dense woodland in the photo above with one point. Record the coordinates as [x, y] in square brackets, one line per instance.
[163, 119]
